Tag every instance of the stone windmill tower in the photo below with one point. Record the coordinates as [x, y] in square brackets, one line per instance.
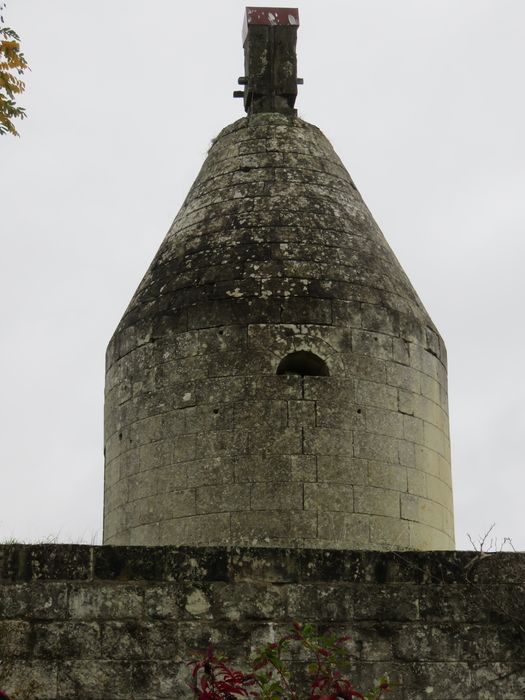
[275, 380]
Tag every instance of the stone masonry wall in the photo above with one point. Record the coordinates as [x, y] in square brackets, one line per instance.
[103, 623]
[274, 252]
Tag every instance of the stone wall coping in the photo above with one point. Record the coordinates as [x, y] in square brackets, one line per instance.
[71, 562]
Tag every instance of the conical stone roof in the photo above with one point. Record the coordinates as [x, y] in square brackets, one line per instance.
[275, 379]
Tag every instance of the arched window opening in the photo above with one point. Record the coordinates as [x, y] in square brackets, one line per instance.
[304, 364]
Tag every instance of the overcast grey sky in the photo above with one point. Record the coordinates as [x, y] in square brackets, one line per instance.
[422, 99]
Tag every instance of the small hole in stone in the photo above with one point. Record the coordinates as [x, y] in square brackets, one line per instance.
[120, 436]
[359, 410]
[216, 410]
[221, 332]
[304, 364]
[246, 169]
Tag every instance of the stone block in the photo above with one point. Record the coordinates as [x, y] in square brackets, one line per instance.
[257, 526]
[137, 639]
[184, 344]
[322, 338]
[427, 643]
[219, 340]
[223, 498]
[403, 377]
[143, 535]
[427, 460]
[376, 501]
[220, 443]
[329, 389]
[448, 521]
[115, 522]
[232, 364]
[156, 454]
[364, 367]
[174, 477]
[389, 532]
[413, 429]
[376, 345]
[410, 329]
[374, 394]
[424, 537]
[211, 471]
[209, 529]
[155, 508]
[435, 439]
[309, 310]
[417, 482]
[256, 414]
[164, 601]
[117, 495]
[248, 600]
[128, 463]
[278, 338]
[301, 413]
[66, 640]
[376, 447]
[274, 387]
[174, 423]
[345, 529]
[113, 447]
[339, 415]
[393, 603]
[42, 600]
[439, 491]
[88, 602]
[112, 472]
[274, 565]
[141, 485]
[280, 441]
[407, 453]
[379, 319]
[14, 639]
[30, 678]
[341, 469]
[219, 390]
[263, 468]
[276, 496]
[128, 564]
[94, 678]
[401, 351]
[430, 388]
[422, 510]
[328, 496]
[146, 430]
[50, 562]
[387, 476]
[333, 602]
[384, 422]
[161, 679]
[172, 375]
[205, 417]
[409, 403]
[328, 441]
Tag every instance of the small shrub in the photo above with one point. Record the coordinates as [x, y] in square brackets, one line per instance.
[271, 677]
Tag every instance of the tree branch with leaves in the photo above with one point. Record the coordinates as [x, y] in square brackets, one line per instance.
[12, 65]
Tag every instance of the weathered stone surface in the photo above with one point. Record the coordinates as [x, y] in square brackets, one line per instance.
[274, 253]
[445, 625]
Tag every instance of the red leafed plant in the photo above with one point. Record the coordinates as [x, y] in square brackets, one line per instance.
[271, 678]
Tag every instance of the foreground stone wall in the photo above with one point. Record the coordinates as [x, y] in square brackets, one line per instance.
[120, 622]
